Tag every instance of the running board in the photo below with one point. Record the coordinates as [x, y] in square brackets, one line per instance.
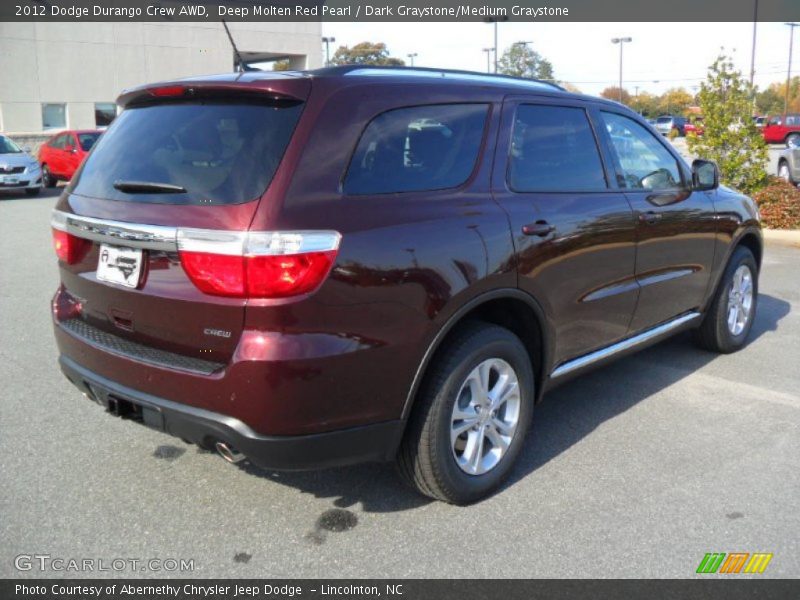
[626, 344]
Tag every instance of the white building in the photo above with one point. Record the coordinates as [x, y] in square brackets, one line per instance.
[67, 75]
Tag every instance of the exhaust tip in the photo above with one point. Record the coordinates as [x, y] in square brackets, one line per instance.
[228, 453]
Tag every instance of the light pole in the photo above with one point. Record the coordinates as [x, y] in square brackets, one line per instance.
[753, 50]
[411, 57]
[495, 20]
[789, 72]
[488, 59]
[621, 41]
[328, 41]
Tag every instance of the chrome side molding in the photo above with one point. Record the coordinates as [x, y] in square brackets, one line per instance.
[626, 344]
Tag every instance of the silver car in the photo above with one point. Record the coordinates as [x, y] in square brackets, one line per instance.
[18, 169]
[789, 165]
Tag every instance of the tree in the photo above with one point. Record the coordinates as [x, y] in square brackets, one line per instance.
[730, 137]
[570, 87]
[675, 101]
[365, 53]
[770, 102]
[522, 61]
[612, 93]
[645, 103]
[282, 65]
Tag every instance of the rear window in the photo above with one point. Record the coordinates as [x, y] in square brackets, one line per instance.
[87, 140]
[218, 152]
[663, 120]
[417, 148]
[553, 149]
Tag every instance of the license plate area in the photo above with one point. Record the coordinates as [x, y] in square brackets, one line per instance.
[119, 265]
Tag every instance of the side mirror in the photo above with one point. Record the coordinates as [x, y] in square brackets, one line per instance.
[705, 175]
[70, 149]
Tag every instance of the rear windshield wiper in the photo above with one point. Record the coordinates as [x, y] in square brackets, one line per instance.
[148, 187]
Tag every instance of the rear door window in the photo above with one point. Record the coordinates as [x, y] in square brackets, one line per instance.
[87, 140]
[553, 149]
[417, 148]
[219, 152]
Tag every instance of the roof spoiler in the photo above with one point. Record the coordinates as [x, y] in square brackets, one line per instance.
[279, 90]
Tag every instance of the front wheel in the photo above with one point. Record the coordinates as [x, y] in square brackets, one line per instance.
[730, 314]
[48, 180]
[471, 416]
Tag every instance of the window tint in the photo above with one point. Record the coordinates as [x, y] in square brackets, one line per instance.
[646, 164]
[220, 152]
[59, 141]
[54, 116]
[104, 113]
[553, 149]
[418, 148]
[87, 140]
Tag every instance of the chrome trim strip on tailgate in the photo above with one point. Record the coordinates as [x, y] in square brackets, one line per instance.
[608, 351]
[133, 235]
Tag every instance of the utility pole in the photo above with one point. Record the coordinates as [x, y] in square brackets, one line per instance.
[411, 57]
[789, 72]
[753, 51]
[621, 42]
[328, 41]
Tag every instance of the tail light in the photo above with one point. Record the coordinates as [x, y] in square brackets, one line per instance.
[69, 248]
[257, 264]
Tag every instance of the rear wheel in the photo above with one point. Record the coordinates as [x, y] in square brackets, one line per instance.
[471, 416]
[731, 313]
[793, 140]
[47, 177]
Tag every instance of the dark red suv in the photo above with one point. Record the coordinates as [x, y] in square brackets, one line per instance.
[320, 268]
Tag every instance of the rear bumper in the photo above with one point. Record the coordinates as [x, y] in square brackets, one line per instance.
[376, 442]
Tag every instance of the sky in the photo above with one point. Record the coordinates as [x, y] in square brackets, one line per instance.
[674, 54]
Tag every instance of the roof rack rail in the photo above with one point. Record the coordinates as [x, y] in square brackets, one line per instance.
[341, 70]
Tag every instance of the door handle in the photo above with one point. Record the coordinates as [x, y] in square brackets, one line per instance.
[649, 217]
[540, 228]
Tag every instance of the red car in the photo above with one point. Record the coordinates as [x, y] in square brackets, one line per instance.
[62, 154]
[694, 128]
[783, 129]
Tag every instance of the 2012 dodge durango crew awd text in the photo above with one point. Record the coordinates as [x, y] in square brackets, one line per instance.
[319, 268]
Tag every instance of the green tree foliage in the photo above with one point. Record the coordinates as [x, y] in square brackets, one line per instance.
[730, 136]
[282, 65]
[612, 93]
[771, 100]
[646, 104]
[675, 101]
[365, 53]
[522, 61]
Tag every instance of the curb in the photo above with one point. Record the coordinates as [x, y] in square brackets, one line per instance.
[782, 236]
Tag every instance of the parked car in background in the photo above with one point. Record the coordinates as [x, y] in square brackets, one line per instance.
[783, 129]
[694, 127]
[789, 165]
[666, 123]
[62, 154]
[18, 169]
[760, 121]
[249, 265]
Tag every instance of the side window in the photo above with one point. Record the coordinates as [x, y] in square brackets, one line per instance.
[58, 142]
[646, 164]
[417, 148]
[553, 149]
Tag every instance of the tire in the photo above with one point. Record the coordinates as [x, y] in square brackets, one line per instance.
[438, 466]
[716, 333]
[33, 191]
[793, 140]
[48, 180]
[784, 172]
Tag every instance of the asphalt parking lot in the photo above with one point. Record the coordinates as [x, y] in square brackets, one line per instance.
[636, 470]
